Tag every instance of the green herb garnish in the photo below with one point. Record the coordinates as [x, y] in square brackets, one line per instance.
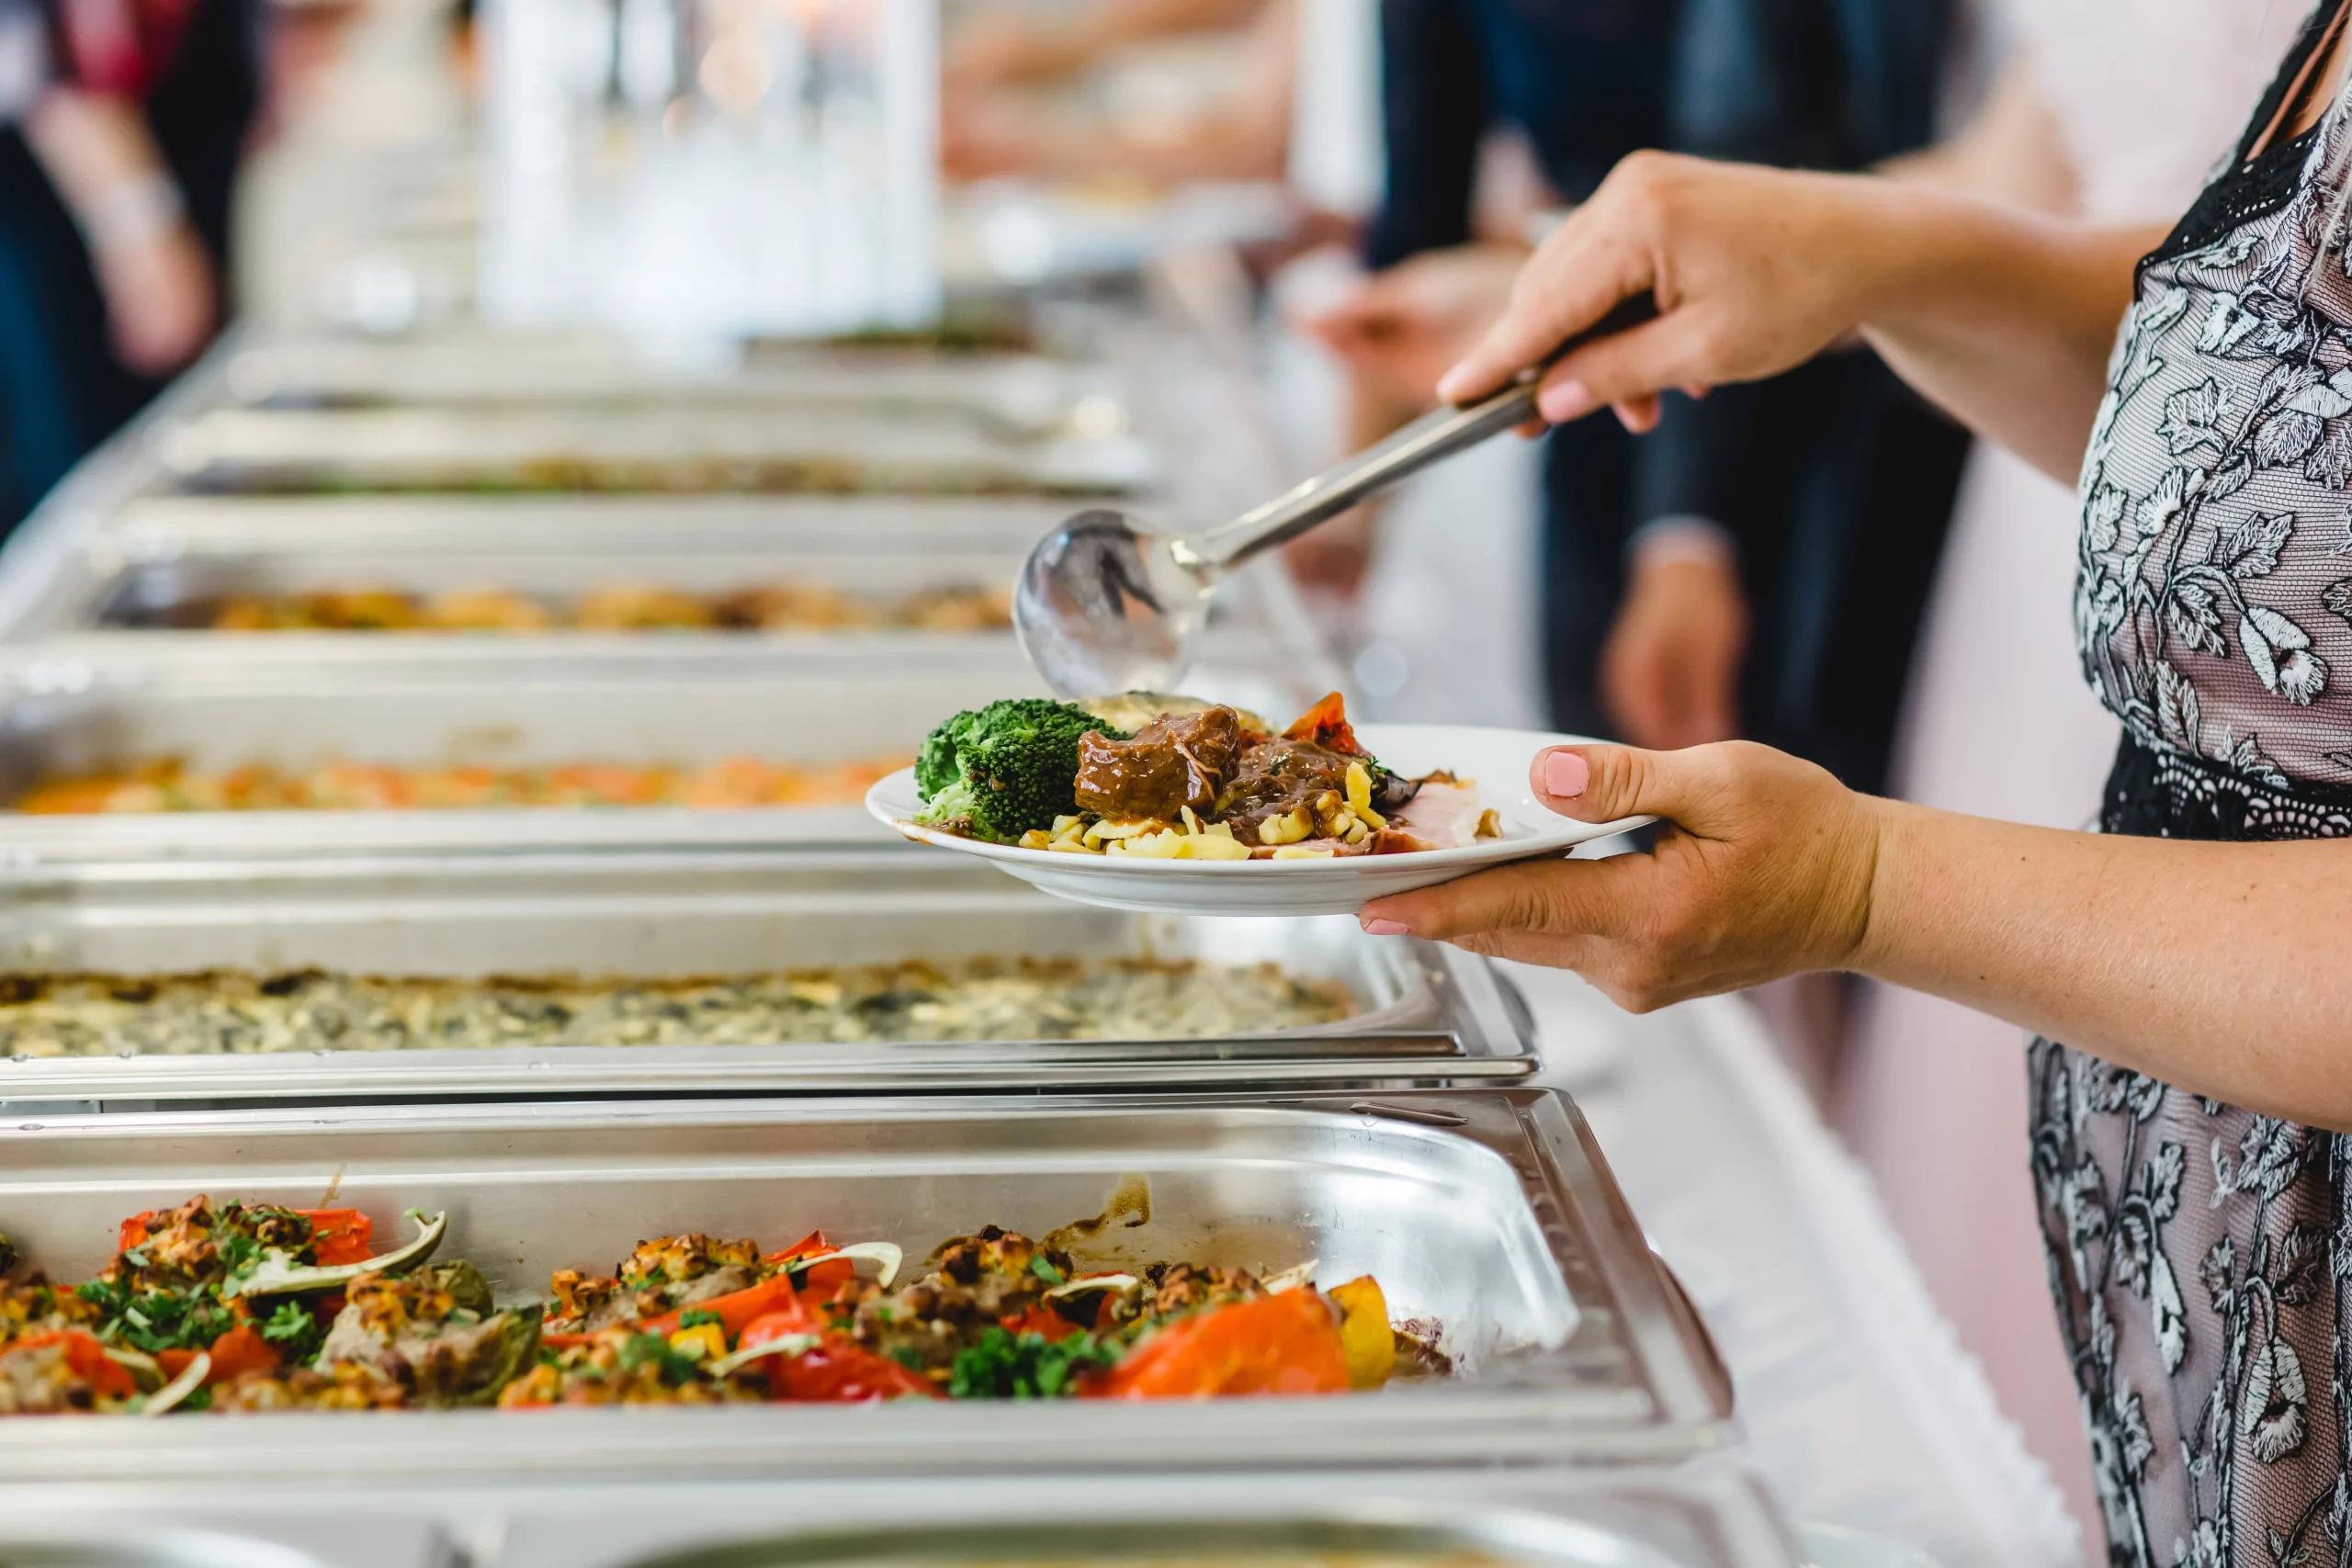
[1002, 1366]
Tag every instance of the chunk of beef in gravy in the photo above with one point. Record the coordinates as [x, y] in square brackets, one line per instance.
[1171, 763]
[1275, 777]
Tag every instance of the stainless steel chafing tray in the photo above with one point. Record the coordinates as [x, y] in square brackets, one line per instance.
[1708, 1516]
[175, 573]
[1026, 394]
[1489, 1209]
[458, 701]
[660, 446]
[1422, 1014]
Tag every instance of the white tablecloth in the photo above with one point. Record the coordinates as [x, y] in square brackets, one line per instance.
[1860, 1406]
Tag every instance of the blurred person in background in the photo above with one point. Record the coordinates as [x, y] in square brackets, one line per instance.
[1715, 579]
[1302, 110]
[1582, 82]
[128, 121]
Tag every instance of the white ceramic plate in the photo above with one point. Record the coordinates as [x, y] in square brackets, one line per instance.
[1497, 759]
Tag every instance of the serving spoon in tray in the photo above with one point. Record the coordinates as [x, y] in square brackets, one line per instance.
[1106, 602]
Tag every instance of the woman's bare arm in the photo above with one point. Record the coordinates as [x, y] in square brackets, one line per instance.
[2216, 966]
[154, 272]
[2000, 316]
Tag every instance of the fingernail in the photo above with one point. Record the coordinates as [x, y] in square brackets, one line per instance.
[1566, 774]
[1567, 400]
[1451, 384]
[1376, 927]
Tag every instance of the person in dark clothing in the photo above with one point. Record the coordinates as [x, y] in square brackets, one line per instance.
[1585, 82]
[1749, 507]
[115, 184]
[1831, 487]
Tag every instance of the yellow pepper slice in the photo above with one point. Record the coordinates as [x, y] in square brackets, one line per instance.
[1365, 1334]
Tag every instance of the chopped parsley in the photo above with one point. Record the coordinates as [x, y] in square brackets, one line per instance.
[155, 1321]
[695, 1317]
[674, 1367]
[296, 1331]
[1046, 1271]
[1002, 1366]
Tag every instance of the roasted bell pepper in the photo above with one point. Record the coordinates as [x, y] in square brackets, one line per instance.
[835, 1372]
[1326, 724]
[241, 1349]
[339, 1235]
[1365, 1333]
[86, 1358]
[1286, 1344]
[823, 1279]
[735, 1311]
[776, 1326]
[1041, 1320]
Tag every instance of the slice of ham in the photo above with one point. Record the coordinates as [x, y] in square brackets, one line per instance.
[1441, 817]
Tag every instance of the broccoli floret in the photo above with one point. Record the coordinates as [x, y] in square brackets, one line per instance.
[1002, 770]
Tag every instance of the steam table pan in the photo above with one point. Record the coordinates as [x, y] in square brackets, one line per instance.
[1489, 1211]
[167, 565]
[217, 705]
[1026, 394]
[1712, 1516]
[659, 448]
[1420, 1012]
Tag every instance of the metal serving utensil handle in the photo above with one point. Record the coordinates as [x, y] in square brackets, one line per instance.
[1428, 439]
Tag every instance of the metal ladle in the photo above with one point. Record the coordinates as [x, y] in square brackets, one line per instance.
[1107, 604]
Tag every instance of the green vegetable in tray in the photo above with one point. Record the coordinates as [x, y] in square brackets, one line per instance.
[1003, 1365]
[998, 771]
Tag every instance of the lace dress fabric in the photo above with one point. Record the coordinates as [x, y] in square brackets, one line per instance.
[2201, 1254]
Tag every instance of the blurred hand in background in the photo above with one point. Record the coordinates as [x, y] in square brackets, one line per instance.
[1669, 671]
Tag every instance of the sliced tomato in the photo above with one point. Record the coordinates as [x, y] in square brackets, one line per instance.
[1041, 1320]
[737, 1310]
[340, 1235]
[134, 1231]
[1326, 724]
[85, 1358]
[1287, 1344]
[835, 1371]
[565, 1341]
[825, 1278]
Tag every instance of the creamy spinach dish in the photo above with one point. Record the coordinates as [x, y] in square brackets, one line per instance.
[241, 1012]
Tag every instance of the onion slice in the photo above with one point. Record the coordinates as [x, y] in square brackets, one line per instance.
[1291, 1279]
[886, 1258]
[1086, 1284]
[172, 1394]
[275, 1277]
[782, 1344]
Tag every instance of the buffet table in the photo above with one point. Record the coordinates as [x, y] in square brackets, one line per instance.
[1860, 1406]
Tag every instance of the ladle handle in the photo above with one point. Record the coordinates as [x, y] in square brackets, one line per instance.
[1428, 439]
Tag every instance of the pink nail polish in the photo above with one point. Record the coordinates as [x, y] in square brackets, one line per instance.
[1566, 774]
[1386, 928]
[1567, 400]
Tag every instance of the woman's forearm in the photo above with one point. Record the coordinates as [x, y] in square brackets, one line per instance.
[2004, 318]
[98, 153]
[2217, 968]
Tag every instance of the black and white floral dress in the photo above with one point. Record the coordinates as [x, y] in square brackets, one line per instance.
[2200, 1254]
